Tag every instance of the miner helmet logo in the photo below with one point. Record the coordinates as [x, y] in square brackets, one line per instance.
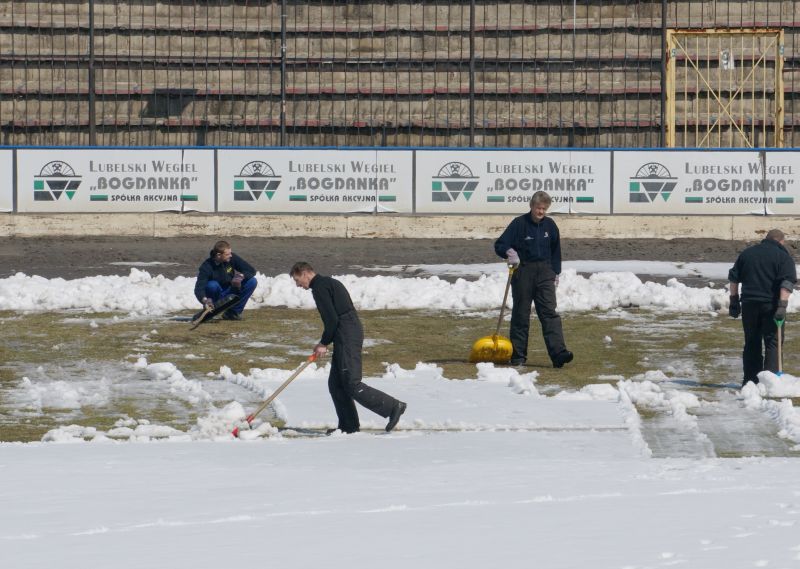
[651, 181]
[453, 180]
[55, 179]
[256, 178]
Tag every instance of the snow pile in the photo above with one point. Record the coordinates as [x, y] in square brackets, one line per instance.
[645, 391]
[60, 394]
[258, 380]
[783, 413]
[429, 372]
[139, 293]
[496, 399]
[188, 389]
[650, 395]
[593, 392]
[142, 430]
[219, 424]
[771, 385]
[136, 293]
[633, 421]
[72, 434]
[521, 384]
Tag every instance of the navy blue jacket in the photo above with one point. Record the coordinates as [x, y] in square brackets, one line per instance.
[210, 270]
[763, 270]
[532, 241]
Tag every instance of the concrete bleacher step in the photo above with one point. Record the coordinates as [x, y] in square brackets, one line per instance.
[408, 14]
[189, 66]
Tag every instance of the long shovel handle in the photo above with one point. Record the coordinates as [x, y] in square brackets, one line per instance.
[505, 298]
[779, 324]
[200, 318]
[251, 417]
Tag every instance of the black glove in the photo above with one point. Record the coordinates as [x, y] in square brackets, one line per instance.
[780, 312]
[735, 308]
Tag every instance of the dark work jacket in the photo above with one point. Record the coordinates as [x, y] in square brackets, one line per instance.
[210, 270]
[333, 301]
[763, 270]
[532, 241]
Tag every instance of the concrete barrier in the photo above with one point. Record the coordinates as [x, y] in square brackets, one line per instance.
[745, 228]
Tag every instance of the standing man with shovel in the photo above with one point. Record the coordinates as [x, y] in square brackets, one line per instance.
[343, 328]
[767, 274]
[533, 244]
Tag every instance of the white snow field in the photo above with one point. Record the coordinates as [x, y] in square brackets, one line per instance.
[487, 471]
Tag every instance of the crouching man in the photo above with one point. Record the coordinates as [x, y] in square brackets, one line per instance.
[225, 273]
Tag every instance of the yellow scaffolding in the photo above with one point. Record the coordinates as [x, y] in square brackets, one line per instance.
[724, 88]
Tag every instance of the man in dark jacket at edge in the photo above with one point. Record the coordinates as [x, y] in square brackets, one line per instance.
[767, 274]
[343, 328]
[225, 273]
[531, 243]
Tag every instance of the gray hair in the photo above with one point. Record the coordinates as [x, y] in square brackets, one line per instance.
[541, 197]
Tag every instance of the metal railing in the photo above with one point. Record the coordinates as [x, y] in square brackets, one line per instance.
[459, 73]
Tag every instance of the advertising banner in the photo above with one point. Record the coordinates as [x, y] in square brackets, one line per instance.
[503, 181]
[692, 182]
[59, 180]
[6, 180]
[783, 183]
[309, 181]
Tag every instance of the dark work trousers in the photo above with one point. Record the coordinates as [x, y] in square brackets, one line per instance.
[535, 283]
[344, 381]
[214, 291]
[759, 328]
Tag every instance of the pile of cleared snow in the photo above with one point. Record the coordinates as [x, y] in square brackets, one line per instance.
[783, 413]
[771, 385]
[59, 394]
[259, 380]
[188, 389]
[139, 293]
[496, 399]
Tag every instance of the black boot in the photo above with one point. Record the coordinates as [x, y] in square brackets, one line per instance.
[398, 409]
[562, 358]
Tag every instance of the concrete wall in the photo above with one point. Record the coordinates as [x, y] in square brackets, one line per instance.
[386, 226]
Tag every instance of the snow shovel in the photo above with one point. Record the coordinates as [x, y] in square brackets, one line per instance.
[210, 312]
[251, 417]
[496, 348]
[779, 324]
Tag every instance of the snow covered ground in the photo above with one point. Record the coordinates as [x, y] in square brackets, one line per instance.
[484, 471]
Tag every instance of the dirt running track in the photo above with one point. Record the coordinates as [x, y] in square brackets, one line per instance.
[79, 257]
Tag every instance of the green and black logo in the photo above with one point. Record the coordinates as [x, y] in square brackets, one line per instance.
[257, 178]
[454, 179]
[651, 180]
[56, 178]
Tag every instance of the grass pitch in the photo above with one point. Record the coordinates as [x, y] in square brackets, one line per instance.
[607, 346]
